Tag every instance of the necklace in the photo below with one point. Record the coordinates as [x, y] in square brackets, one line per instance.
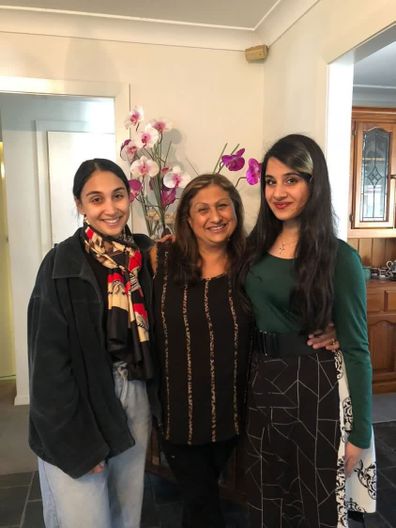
[281, 249]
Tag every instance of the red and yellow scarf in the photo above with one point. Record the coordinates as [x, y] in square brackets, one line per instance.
[127, 320]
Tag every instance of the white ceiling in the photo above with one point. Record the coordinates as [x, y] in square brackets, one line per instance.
[245, 14]
[378, 69]
[374, 82]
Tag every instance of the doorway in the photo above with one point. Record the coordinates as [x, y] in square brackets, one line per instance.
[342, 94]
[28, 212]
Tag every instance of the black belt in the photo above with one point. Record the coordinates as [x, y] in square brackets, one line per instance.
[275, 345]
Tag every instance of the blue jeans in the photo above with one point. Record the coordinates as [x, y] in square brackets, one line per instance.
[113, 498]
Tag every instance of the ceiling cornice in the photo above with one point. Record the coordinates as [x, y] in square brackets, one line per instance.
[51, 22]
[279, 19]
[124, 29]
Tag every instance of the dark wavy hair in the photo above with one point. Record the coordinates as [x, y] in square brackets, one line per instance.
[88, 167]
[317, 246]
[185, 260]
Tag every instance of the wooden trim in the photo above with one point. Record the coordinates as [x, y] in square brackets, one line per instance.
[383, 387]
[384, 232]
[379, 115]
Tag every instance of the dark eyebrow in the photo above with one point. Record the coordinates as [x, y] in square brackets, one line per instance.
[100, 192]
[294, 173]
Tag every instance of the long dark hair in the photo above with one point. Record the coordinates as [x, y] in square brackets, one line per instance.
[184, 256]
[317, 246]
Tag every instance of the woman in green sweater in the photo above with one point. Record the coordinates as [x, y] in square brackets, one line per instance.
[308, 460]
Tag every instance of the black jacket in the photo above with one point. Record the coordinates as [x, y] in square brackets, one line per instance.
[76, 420]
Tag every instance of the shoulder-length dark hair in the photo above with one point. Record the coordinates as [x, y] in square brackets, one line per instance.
[317, 246]
[185, 260]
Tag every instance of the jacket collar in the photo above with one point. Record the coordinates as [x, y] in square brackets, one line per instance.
[70, 260]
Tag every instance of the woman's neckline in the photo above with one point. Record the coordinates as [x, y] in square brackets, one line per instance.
[281, 258]
[218, 276]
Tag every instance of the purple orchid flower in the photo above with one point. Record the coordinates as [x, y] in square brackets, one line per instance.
[168, 196]
[135, 187]
[254, 171]
[234, 162]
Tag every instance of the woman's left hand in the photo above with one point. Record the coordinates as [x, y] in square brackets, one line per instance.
[352, 457]
[324, 339]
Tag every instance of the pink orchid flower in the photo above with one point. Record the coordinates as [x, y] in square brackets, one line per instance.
[135, 117]
[161, 125]
[234, 162]
[168, 196]
[176, 178]
[254, 171]
[149, 137]
[129, 149]
[135, 188]
[144, 167]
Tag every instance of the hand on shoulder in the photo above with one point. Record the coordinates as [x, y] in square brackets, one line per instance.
[167, 239]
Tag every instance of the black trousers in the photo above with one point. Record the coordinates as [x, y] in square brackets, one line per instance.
[197, 470]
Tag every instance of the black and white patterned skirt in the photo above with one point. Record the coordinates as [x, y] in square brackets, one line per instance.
[298, 421]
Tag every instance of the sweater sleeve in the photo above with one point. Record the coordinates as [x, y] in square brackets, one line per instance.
[351, 325]
[63, 429]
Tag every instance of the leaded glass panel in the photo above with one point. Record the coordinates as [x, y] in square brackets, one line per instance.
[374, 181]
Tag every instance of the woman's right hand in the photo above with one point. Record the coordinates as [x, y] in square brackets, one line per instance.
[98, 468]
[154, 250]
[324, 339]
[352, 456]
[169, 237]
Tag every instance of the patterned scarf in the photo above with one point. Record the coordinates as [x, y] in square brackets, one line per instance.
[127, 320]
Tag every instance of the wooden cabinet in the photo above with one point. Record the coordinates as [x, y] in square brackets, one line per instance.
[381, 319]
[373, 168]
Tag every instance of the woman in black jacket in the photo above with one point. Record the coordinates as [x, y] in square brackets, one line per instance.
[89, 361]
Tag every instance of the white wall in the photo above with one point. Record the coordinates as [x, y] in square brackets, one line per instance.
[212, 96]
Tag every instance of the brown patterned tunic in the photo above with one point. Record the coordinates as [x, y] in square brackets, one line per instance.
[203, 340]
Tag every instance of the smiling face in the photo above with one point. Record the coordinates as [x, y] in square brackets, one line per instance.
[286, 191]
[212, 216]
[104, 200]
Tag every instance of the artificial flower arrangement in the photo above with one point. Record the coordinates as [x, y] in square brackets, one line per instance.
[155, 180]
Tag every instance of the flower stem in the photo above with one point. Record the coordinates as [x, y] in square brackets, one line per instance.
[219, 166]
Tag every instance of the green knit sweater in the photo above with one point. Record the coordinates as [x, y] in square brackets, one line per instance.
[269, 284]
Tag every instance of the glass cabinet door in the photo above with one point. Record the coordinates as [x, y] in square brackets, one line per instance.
[374, 181]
